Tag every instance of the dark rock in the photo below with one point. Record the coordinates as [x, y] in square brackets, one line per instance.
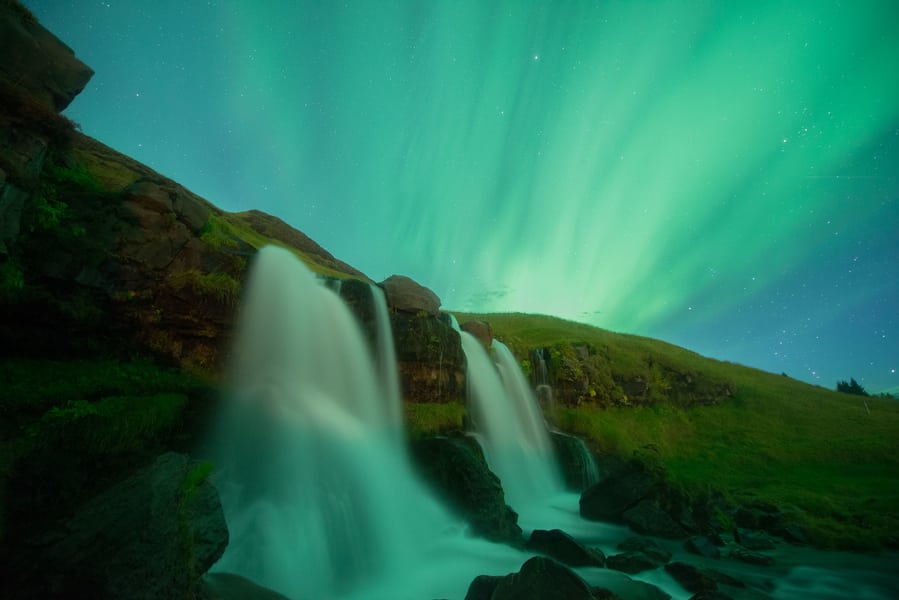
[150, 536]
[753, 558]
[646, 546]
[542, 578]
[753, 540]
[611, 497]
[561, 546]
[481, 330]
[711, 595]
[578, 466]
[697, 579]
[648, 518]
[482, 587]
[409, 296]
[457, 470]
[429, 356]
[702, 546]
[632, 562]
[795, 534]
[228, 586]
[38, 61]
[12, 200]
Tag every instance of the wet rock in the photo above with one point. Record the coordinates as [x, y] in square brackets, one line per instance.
[542, 578]
[702, 546]
[458, 472]
[407, 295]
[753, 558]
[429, 356]
[482, 587]
[561, 546]
[632, 562]
[648, 518]
[698, 579]
[647, 546]
[578, 466]
[753, 540]
[611, 497]
[228, 586]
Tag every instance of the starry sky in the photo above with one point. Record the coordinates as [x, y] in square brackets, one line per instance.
[720, 175]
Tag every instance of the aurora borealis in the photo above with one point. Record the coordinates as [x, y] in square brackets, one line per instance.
[720, 175]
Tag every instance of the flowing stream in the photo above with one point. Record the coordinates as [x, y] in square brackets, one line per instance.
[320, 496]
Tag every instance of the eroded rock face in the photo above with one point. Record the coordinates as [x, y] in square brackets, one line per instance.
[150, 536]
[37, 60]
[429, 357]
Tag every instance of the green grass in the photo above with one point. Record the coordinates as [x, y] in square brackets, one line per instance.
[775, 440]
[432, 418]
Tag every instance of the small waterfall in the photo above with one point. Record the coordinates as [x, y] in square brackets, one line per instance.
[318, 492]
[386, 355]
[511, 427]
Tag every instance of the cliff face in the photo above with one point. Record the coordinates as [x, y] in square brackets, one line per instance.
[99, 253]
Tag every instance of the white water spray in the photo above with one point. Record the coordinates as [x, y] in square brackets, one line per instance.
[318, 491]
[511, 427]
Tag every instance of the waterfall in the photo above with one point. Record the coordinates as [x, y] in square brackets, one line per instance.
[317, 489]
[386, 357]
[510, 425]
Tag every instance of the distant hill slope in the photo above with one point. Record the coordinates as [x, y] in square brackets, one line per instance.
[768, 442]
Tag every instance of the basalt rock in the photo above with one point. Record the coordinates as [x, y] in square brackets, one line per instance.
[542, 578]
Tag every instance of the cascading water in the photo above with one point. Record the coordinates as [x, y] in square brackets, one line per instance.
[510, 426]
[318, 492]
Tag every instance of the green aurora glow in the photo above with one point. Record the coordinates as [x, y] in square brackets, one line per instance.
[722, 175]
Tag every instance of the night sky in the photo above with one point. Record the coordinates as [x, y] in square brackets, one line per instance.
[720, 175]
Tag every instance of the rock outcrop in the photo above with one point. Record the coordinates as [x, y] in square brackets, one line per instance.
[481, 330]
[37, 60]
[457, 470]
[405, 294]
[564, 548]
[152, 535]
[540, 578]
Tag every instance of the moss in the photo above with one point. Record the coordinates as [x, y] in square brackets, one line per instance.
[223, 288]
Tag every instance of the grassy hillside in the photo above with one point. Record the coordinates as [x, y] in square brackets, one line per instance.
[832, 458]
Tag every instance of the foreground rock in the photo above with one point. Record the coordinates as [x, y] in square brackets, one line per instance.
[540, 578]
[407, 295]
[700, 580]
[562, 547]
[457, 470]
[152, 535]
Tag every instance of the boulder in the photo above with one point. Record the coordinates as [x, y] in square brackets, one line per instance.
[562, 547]
[457, 470]
[406, 295]
[648, 518]
[152, 535]
[479, 329]
[632, 562]
[482, 587]
[646, 546]
[542, 578]
[753, 558]
[753, 540]
[702, 546]
[698, 579]
[37, 60]
[611, 497]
